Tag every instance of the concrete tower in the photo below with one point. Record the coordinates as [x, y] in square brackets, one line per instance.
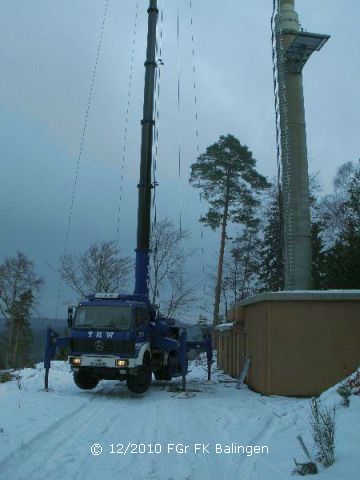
[293, 48]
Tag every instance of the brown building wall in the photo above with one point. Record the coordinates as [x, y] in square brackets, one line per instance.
[298, 347]
[312, 346]
[256, 331]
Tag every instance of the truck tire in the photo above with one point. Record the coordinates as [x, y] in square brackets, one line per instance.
[141, 382]
[85, 382]
[162, 374]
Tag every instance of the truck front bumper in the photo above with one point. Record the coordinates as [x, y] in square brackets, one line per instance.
[104, 361]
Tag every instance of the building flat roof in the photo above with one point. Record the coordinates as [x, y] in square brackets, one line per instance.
[303, 295]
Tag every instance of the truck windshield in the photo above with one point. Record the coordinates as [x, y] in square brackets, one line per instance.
[116, 318]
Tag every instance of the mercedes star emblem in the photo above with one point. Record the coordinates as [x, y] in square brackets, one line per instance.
[99, 345]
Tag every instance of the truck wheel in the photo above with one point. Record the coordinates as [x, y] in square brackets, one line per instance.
[141, 382]
[162, 374]
[85, 382]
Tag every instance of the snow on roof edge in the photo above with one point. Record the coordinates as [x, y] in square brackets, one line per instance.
[296, 295]
[224, 326]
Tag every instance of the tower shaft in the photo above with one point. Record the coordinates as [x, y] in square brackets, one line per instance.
[295, 177]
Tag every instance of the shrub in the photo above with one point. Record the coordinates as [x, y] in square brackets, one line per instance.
[350, 386]
[322, 421]
[354, 383]
[6, 376]
[344, 391]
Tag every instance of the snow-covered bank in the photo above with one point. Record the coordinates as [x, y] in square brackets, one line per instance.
[49, 435]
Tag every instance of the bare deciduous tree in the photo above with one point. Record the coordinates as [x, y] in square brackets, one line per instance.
[181, 297]
[101, 268]
[167, 267]
[241, 270]
[333, 206]
[17, 276]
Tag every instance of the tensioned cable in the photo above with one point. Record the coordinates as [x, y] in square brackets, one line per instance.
[81, 148]
[126, 124]
[276, 87]
[275, 37]
[158, 50]
[179, 130]
[178, 113]
[197, 139]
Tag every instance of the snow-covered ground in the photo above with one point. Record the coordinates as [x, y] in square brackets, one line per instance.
[49, 435]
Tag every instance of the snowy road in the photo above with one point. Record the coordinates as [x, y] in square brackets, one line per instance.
[49, 435]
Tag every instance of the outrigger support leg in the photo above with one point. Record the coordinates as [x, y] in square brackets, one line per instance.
[183, 358]
[209, 355]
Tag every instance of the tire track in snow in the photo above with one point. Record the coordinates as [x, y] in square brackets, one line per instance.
[112, 431]
[112, 414]
[233, 464]
[39, 436]
[34, 458]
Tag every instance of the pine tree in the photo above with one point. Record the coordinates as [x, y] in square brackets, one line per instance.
[352, 204]
[19, 343]
[318, 256]
[342, 262]
[230, 183]
[242, 266]
[272, 271]
[19, 286]
[317, 236]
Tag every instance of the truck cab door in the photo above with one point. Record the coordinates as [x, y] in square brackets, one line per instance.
[142, 332]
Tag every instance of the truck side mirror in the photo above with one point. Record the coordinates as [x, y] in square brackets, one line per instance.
[70, 317]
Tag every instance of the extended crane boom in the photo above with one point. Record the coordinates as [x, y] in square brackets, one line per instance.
[117, 336]
[145, 184]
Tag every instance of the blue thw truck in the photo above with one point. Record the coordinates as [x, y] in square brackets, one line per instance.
[115, 336]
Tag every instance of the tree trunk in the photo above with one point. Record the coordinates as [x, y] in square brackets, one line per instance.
[246, 264]
[236, 281]
[9, 343]
[154, 293]
[11, 326]
[221, 256]
[16, 344]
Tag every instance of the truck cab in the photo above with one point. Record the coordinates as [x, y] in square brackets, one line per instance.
[110, 339]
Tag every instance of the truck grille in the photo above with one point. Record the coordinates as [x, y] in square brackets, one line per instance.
[88, 345]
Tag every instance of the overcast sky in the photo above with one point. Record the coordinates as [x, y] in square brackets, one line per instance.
[47, 55]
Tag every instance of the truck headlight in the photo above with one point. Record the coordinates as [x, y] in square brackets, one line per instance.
[122, 363]
[75, 361]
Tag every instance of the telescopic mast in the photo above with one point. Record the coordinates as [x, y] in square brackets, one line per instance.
[145, 184]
